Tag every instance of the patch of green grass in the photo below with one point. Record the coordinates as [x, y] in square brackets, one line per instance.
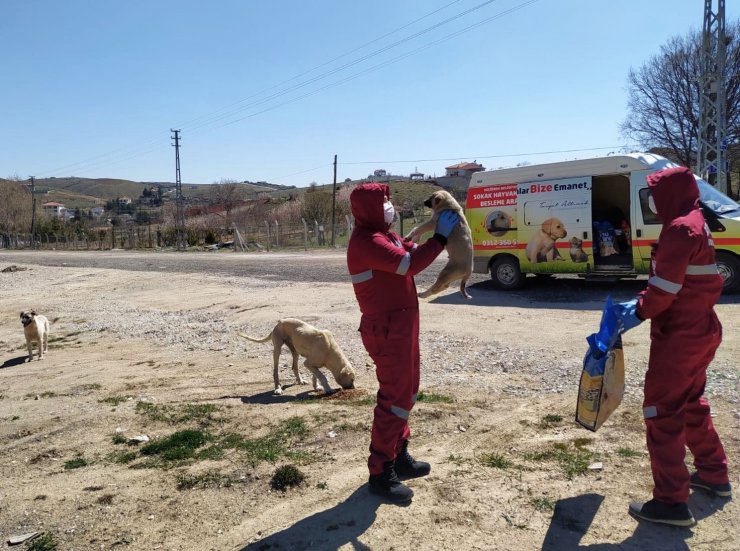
[119, 438]
[45, 542]
[122, 457]
[302, 457]
[106, 499]
[45, 394]
[114, 400]
[543, 504]
[211, 452]
[627, 452]
[352, 427]
[365, 401]
[286, 477]
[15, 418]
[573, 461]
[431, 398]
[203, 414]
[581, 443]
[294, 427]
[210, 479]
[266, 448]
[90, 386]
[456, 459]
[496, 461]
[75, 463]
[322, 485]
[550, 419]
[178, 446]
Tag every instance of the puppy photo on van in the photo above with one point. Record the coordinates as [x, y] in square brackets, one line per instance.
[316, 345]
[498, 223]
[36, 330]
[577, 254]
[541, 247]
[459, 245]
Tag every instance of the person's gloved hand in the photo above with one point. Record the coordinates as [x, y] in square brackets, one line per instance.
[626, 313]
[446, 222]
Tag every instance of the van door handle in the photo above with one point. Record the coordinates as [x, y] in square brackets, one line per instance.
[639, 233]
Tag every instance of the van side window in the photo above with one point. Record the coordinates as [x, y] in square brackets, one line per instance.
[647, 215]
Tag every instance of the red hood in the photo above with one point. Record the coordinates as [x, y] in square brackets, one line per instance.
[674, 191]
[367, 205]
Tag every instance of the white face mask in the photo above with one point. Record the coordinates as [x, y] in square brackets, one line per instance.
[388, 212]
[651, 204]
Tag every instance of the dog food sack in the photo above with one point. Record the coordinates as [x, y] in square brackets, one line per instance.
[601, 387]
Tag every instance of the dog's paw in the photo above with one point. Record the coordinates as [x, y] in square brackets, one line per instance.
[278, 391]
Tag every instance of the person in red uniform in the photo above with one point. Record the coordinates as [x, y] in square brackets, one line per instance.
[683, 287]
[382, 266]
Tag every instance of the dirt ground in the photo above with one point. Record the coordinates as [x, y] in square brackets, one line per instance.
[143, 349]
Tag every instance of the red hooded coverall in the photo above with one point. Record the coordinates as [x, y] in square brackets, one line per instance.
[685, 332]
[382, 266]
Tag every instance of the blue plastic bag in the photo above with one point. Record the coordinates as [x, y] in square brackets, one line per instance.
[601, 386]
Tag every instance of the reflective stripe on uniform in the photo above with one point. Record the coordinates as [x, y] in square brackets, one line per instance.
[664, 285]
[707, 269]
[362, 276]
[399, 412]
[650, 412]
[404, 265]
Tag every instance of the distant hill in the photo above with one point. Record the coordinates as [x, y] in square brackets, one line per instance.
[85, 193]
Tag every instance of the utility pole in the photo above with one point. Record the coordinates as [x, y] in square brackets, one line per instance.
[333, 205]
[179, 211]
[712, 143]
[33, 212]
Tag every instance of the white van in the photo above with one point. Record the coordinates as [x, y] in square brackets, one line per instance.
[588, 217]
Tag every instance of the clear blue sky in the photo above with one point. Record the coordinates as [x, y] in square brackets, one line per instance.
[92, 87]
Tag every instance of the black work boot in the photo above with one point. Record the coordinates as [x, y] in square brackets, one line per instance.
[408, 467]
[676, 514]
[721, 490]
[388, 486]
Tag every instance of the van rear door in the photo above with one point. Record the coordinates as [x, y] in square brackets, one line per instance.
[646, 225]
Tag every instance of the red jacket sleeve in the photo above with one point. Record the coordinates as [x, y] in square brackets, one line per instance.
[382, 254]
[675, 249]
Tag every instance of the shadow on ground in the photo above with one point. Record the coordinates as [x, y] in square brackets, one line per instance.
[13, 362]
[554, 293]
[573, 517]
[330, 529]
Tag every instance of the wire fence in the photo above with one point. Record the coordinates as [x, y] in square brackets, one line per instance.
[266, 236]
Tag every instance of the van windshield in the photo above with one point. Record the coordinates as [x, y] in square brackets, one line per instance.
[716, 200]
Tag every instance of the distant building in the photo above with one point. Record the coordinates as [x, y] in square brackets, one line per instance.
[122, 201]
[54, 209]
[380, 173]
[463, 169]
[416, 176]
[97, 212]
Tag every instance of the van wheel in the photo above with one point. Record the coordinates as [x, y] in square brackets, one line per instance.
[506, 274]
[729, 269]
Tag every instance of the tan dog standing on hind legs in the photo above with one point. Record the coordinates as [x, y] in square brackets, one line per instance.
[36, 330]
[317, 346]
[459, 245]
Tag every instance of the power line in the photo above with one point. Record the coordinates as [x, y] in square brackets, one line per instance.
[529, 154]
[127, 153]
[347, 65]
[380, 65]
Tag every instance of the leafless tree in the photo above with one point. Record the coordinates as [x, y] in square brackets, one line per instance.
[15, 206]
[228, 193]
[663, 105]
